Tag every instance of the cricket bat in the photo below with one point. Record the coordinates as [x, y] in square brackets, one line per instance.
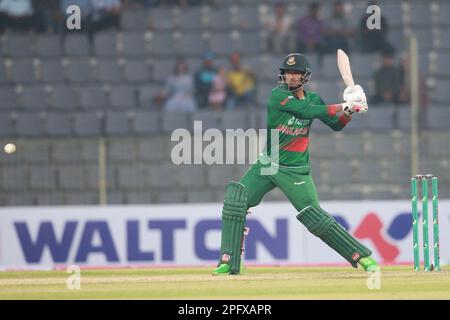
[344, 68]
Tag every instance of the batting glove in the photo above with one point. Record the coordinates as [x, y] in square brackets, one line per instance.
[355, 92]
[351, 107]
[356, 99]
[346, 109]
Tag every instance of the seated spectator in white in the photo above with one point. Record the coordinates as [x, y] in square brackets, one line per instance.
[337, 29]
[179, 91]
[278, 25]
[105, 14]
[17, 15]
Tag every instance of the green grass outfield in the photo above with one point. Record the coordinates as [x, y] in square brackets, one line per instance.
[256, 283]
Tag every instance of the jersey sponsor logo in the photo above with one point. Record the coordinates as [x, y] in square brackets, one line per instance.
[292, 131]
[295, 121]
[299, 183]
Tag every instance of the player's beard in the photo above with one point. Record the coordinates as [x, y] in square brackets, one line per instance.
[294, 85]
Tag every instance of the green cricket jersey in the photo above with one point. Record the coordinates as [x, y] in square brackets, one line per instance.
[292, 118]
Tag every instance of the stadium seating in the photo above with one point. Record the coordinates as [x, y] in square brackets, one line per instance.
[87, 124]
[105, 44]
[52, 71]
[146, 122]
[18, 46]
[117, 123]
[60, 93]
[58, 125]
[48, 46]
[191, 19]
[134, 20]
[93, 97]
[109, 71]
[80, 71]
[76, 45]
[23, 71]
[8, 100]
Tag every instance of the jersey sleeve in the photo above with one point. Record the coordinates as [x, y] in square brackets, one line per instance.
[337, 123]
[301, 108]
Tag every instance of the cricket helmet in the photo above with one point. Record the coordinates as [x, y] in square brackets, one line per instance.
[297, 62]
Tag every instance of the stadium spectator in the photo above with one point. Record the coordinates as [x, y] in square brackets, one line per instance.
[218, 94]
[374, 40]
[241, 83]
[337, 29]
[17, 15]
[310, 31]
[387, 81]
[182, 3]
[405, 84]
[204, 78]
[48, 15]
[105, 14]
[179, 90]
[139, 4]
[278, 25]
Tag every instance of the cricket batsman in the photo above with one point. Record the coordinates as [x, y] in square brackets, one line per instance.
[291, 111]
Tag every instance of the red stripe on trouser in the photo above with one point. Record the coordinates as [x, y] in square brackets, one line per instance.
[299, 144]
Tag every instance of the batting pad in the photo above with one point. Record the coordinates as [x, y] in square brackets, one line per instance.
[322, 225]
[233, 220]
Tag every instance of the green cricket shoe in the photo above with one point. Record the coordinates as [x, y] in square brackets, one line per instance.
[369, 264]
[222, 269]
